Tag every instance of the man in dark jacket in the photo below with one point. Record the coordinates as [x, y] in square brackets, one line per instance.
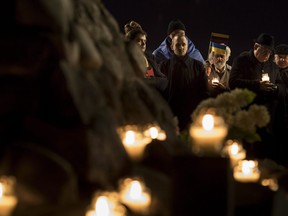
[247, 71]
[187, 81]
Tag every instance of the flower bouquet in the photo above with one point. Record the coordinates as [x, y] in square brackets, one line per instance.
[242, 117]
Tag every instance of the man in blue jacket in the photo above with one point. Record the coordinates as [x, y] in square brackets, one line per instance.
[164, 52]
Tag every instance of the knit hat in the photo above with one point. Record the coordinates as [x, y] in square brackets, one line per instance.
[174, 25]
[281, 49]
[265, 40]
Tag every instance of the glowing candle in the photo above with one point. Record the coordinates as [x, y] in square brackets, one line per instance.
[106, 206]
[7, 202]
[155, 132]
[135, 143]
[265, 77]
[215, 80]
[135, 195]
[247, 171]
[235, 152]
[209, 135]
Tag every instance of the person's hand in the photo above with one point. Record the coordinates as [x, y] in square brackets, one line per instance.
[218, 85]
[267, 86]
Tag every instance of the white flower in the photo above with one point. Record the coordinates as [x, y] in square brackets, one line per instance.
[236, 108]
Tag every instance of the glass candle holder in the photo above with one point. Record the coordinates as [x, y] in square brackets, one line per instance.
[246, 171]
[134, 141]
[106, 204]
[135, 195]
[235, 151]
[207, 134]
[265, 77]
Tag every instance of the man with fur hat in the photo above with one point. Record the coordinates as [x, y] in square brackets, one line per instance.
[164, 51]
[246, 72]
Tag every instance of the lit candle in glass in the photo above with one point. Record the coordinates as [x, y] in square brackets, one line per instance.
[265, 77]
[246, 171]
[135, 143]
[7, 198]
[135, 195]
[106, 204]
[215, 80]
[235, 152]
[155, 132]
[208, 135]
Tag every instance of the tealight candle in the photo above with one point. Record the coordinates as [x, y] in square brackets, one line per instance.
[106, 205]
[134, 144]
[265, 77]
[208, 136]
[135, 195]
[246, 171]
[155, 132]
[235, 152]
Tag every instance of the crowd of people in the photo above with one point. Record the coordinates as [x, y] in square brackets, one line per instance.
[185, 78]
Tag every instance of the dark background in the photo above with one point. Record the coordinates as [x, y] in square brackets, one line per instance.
[242, 20]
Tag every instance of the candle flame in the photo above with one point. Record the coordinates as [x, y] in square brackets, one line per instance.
[208, 122]
[265, 77]
[153, 132]
[135, 190]
[234, 149]
[130, 137]
[102, 206]
[248, 166]
[215, 80]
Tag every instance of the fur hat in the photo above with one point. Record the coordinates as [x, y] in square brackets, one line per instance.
[281, 49]
[174, 25]
[265, 40]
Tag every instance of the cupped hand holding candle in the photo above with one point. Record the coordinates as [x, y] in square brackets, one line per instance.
[265, 77]
[135, 195]
[215, 80]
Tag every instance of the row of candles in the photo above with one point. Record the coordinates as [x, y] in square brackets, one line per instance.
[208, 135]
[132, 193]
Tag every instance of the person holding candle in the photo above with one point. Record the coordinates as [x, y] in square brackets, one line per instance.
[218, 76]
[187, 82]
[246, 72]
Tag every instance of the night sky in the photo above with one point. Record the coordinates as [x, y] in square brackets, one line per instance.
[243, 20]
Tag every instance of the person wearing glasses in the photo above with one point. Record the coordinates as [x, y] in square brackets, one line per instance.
[256, 71]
